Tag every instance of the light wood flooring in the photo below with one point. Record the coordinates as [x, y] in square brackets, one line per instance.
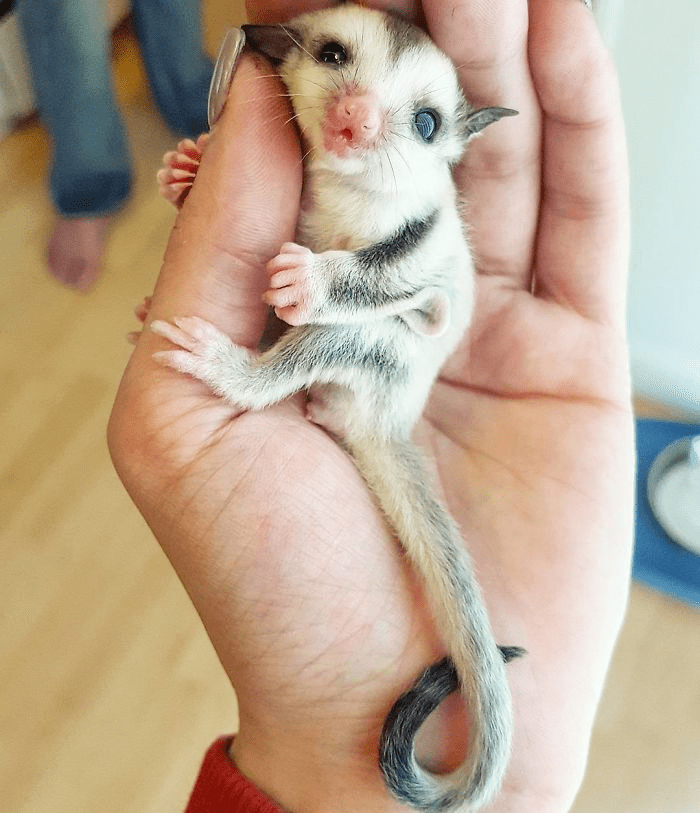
[110, 691]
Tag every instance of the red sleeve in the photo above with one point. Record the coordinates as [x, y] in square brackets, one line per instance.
[221, 788]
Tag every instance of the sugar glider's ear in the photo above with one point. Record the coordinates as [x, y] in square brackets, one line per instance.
[476, 121]
[273, 41]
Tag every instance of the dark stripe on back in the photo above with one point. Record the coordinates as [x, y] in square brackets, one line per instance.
[329, 347]
[369, 283]
[398, 245]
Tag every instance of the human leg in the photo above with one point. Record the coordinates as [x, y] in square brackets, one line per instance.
[68, 51]
[170, 35]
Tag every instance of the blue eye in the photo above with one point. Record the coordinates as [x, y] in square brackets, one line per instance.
[427, 123]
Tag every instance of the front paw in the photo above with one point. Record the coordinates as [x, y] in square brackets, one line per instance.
[293, 291]
[205, 352]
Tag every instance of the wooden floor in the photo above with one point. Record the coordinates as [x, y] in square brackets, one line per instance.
[110, 690]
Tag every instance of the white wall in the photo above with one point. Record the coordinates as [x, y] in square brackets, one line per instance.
[656, 46]
[16, 98]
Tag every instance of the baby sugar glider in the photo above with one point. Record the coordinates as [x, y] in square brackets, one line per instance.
[378, 292]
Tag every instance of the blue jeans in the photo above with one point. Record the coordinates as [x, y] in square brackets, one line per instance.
[69, 52]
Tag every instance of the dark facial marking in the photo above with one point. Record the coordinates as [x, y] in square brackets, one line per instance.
[272, 41]
[402, 35]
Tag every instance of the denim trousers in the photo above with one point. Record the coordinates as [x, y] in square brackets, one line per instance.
[69, 52]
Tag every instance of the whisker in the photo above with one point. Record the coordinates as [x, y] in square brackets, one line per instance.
[403, 158]
[305, 156]
[315, 84]
[297, 112]
[291, 119]
[401, 135]
[297, 43]
[391, 167]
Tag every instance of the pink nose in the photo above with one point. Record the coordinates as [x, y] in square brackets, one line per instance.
[352, 122]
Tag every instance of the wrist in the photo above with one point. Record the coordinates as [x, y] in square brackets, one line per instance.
[311, 777]
[222, 787]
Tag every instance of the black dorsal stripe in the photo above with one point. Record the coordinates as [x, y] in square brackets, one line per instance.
[398, 245]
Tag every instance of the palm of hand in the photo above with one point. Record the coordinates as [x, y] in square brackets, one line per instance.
[272, 505]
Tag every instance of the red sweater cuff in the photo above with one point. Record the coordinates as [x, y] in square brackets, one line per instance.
[222, 788]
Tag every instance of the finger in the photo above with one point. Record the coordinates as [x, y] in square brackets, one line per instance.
[280, 264]
[283, 298]
[582, 251]
[175, 159]
[500, 176]
[189, 148]
[276, 11]
[283, 278]
[292, 315]
[242, 207]
[176, 173]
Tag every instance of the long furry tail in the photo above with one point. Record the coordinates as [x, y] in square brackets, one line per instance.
[396, 473]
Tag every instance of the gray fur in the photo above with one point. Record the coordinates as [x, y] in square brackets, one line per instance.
[402, 35]
[384, 292]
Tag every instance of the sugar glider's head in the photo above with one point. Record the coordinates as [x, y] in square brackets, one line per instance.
[371, 92]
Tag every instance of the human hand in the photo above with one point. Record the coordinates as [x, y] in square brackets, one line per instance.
[315, 616]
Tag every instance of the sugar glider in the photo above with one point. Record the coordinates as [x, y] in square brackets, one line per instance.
[378, 291]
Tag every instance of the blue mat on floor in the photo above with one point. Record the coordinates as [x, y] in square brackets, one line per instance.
[658, 561]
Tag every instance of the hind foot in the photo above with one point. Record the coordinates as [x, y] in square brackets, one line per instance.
[179, 170]
[205, 353]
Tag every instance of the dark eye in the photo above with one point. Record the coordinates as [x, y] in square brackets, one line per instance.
[333, 53]
[427, 123]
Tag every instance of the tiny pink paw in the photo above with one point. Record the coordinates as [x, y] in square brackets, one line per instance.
[142, 309]
[141, 312]
[204, 348]
[179, 170]
[292, 290]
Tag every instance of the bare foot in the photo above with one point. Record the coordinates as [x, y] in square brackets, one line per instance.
[75, 250]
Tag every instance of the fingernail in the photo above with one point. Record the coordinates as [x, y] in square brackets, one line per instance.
[225, 66]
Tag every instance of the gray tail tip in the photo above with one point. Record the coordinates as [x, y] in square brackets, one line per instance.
[407, 715]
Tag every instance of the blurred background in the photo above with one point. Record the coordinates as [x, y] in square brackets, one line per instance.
[110, 689]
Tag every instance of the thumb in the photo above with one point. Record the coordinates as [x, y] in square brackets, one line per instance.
[242, 207]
